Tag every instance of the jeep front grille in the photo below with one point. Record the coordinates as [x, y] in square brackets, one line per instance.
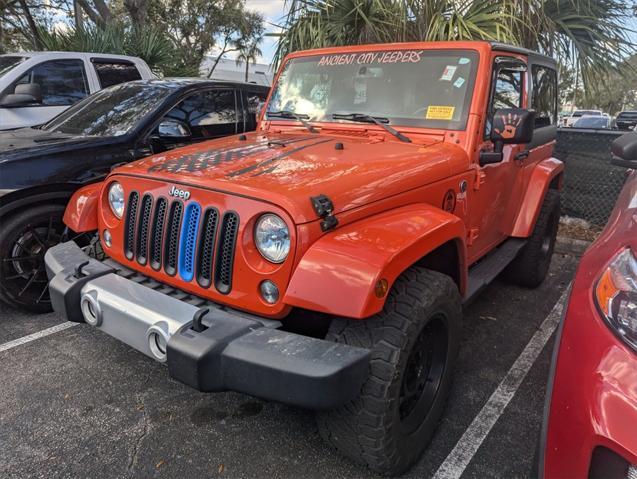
[225, 252]
[157, 233]
[183, 240]
[129, 228]
[172, 238]
[207, 247]
[144, 220]
[188, 242]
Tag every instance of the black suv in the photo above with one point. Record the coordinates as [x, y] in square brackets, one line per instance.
[626, 120]
[41, 167]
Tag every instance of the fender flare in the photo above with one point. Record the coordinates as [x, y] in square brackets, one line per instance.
[339, 272]
[81, 212]
[19, 199]
[541, 178]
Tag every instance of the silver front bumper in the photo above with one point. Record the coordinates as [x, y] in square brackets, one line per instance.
[204, 346]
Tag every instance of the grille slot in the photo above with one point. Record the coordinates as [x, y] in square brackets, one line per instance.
[207, 247]
[171, 245]
[157, 233]
[129, 227]
[225, 252]
[143, 229]
[188, 241]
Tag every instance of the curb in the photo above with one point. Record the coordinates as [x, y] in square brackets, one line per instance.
[565, 245]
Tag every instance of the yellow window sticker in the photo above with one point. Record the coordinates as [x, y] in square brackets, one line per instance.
[435, 112]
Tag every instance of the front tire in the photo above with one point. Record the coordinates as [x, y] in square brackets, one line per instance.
[414, 343]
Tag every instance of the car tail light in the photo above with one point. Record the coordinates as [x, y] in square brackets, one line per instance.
[616, 296]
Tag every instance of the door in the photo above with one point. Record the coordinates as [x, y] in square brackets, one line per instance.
[489, 213]
[201, 116]
[62, 83]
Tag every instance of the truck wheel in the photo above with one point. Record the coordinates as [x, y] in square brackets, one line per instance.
[531, 265]
[414, 343]
[24, 238]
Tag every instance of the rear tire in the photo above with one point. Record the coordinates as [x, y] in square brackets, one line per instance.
[414, 343]
[530, 267]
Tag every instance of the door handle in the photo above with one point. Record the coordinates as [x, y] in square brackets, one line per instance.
[523, 155]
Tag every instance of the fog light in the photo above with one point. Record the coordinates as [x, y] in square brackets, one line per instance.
[269, 292]
[108, 239]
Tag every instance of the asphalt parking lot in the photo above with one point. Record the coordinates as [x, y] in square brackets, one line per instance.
[77, 403]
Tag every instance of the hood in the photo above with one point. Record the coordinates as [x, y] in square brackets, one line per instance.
[288, 169]
[27, 141]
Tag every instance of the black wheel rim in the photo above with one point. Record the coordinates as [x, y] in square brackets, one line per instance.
[23, 271]
[423, 374]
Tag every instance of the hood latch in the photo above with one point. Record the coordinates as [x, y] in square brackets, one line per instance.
[324, 208]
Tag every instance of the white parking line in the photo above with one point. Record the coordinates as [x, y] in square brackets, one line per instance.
[459, 458]
[38, 335]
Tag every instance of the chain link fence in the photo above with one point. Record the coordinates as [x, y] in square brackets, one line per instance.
[591, 183]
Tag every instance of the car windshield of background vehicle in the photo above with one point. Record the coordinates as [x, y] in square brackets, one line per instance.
[111, 112]
[9, 63]
[579, 113]
[592, 122]
[422, 88]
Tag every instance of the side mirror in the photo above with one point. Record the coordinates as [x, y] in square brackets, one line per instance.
[508, 126]
[624, 151]
[26, 94]
[173, 130]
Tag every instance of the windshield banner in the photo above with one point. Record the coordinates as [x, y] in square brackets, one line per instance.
[370, 58]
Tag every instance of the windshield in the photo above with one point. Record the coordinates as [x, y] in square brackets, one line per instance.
[592, 122]
[424, 88]
[8, 63]
[579, 113]
[111, 112]
[627, 115]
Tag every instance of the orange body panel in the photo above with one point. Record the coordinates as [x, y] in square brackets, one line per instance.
[81, 213]
[340, 271]
[541, 177]
[394, 201]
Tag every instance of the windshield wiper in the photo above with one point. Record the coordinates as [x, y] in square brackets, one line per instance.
[295, 116]
[378, 120]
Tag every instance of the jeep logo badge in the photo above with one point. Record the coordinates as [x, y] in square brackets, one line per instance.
[178, 193]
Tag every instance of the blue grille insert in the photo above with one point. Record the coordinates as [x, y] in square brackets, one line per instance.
[188, 241]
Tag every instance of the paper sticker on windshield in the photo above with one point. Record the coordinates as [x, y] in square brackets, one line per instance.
[464, 61]
[459, 82]
[436, 112]
[449, 72]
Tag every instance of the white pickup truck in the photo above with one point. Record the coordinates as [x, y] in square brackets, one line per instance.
[36, 86]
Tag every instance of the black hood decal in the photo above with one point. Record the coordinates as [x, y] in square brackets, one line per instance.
[268, 162]
[204, 160]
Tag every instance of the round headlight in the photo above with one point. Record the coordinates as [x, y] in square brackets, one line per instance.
[116, 199]
[272, 238]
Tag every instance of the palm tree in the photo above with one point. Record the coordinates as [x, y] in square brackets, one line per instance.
[248, 53]
[593, 33]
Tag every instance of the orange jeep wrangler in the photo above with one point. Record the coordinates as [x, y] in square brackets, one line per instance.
[323, 260]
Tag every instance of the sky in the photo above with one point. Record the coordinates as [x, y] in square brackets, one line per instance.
[273, 12]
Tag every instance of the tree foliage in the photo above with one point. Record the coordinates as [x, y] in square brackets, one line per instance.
[593, 33]
[172, 36]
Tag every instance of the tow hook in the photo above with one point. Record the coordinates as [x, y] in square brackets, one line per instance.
[78, 270]
[197, 320]
[324, 208]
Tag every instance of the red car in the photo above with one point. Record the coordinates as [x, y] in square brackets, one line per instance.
[590, 425]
